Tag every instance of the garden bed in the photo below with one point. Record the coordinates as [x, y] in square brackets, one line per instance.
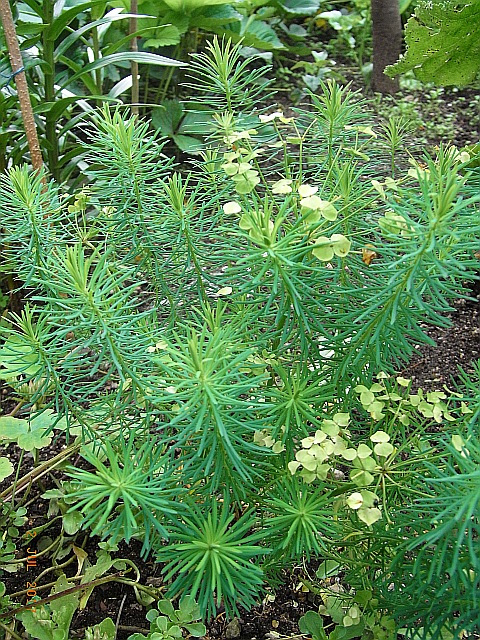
[293, 592]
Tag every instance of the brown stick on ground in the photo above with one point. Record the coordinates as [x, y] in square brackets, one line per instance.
[21, 83]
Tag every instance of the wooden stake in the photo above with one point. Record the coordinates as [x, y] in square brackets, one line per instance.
[18, 72]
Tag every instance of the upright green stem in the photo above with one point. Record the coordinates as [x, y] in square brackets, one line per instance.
[10, 632]
[146, 80]
[49, 88]
[134, 63]
[192, 253]
[162, 90]
[17, 474]
[96, 56]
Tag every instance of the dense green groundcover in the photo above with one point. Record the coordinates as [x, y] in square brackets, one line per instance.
[220, 346]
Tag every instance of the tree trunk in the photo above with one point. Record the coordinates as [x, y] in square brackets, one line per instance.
[387, 42]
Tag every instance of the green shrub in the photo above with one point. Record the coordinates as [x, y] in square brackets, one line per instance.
[223, 340]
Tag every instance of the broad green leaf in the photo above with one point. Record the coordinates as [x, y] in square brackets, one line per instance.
[230, 168]
[363, 451]
[167, 117]
[187, 6]
[329, 212]
[375, 409]
[181, 21]
[152, 615]
[105, 630]
[166, 36]
[341, 418]
[103, 564]
[327, 569]
[59, 612]
[311, 202]
[246, 181]
[12, 428]
[59, 24]
[246, 222]
[162, 623]
[189, 144]
[17, 358]
[72, 522]
[370, 499]
[457, 441]
[127, 56]
[142, 32]
[30, 435]
[282, 186]
[166, 607]
[300, 7]
[47, 419]
[293, 467]
[297, 31]
[367, 397]
[232, 207]
[306, 190]
[404, 5]
[196, 629]
[443, 43]
[33, 440]
[196, 122]
[330, 427]
[216, 17]
[362, 597]
[254, 33]
[74, 37]
[6, 468]
[360, 388]
[312, 624]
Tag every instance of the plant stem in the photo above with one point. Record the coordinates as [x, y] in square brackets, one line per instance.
[96, 14]
[10, 632]
[96, 55]
[42, 587]
[20, 460]
[49, 89]
[146, 80]
[162, 90]
[40, 471]
[16, 61]
[61, 594]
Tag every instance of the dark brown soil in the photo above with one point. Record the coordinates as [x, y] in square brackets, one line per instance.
[432, 367]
